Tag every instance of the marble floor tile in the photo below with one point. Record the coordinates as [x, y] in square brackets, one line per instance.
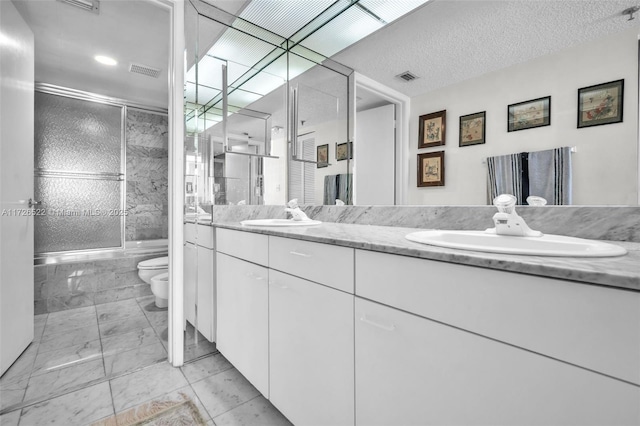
[72, 337]
[224, 391]
[72, 316]
[39, 322]
[76, 408]
[10, 419]
[258, 411]
[144, 385]
[12, 390]
[62, 325]
[22, 366]
[131, 360]
[64, 378]
[127, 341]
[66, 357]
[209, 366]
[157, 318]
[113, 328]
[203, 347]
[118, 311]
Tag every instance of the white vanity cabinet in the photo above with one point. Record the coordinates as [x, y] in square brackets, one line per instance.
[337, 336]
[190, 253]
[311, 351]
[199, 279]
[206, 283]
[243, 303]
[453, 351]
[414, 371]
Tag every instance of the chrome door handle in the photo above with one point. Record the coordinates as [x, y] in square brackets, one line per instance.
[32, 203]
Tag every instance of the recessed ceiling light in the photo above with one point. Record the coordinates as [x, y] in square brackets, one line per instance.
[105, 60]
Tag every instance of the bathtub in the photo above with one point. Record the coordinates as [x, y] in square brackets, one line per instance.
[131, 248]
[92, 277]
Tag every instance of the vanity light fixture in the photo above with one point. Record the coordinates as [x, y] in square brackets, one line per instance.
[88, 5]
[105, 60]
[630, 11]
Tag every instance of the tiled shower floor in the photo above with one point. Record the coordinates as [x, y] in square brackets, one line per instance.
[112, 357]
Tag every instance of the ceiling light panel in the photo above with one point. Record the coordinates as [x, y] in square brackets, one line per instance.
[390, 10]
[263, 83]
[205, 94]
[241, 98]
[349, 27]
[281, 17]
[241, 48]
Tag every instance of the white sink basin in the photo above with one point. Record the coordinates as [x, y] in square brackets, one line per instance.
[547, 245]
[280, 222]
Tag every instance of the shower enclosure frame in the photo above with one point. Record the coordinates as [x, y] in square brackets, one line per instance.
[121, 177]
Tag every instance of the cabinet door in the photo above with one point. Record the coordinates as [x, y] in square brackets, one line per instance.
[410, 370]
[190, 274]
[206, 293]
[242, 318]
[311, 351]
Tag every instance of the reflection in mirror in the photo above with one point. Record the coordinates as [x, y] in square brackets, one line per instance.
[320, 117]
[282, 102]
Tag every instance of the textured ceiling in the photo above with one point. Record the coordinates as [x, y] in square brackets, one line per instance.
[448, 41]
[443, 42]
[132, 31]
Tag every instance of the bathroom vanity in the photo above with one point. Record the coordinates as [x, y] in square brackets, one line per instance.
[352, 324]
[199, 279]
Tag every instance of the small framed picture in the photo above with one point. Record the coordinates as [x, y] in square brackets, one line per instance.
[322, 156]
[472, 129]
[600, 104]
[431, 169]
[432, 129]
[344, 151]
[529, 114]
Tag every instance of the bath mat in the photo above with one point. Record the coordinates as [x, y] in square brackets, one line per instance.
[158, 413]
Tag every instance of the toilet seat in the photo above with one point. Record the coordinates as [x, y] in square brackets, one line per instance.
[156, 263]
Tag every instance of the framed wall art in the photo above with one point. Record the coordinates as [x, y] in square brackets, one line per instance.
[431, 169]
[432, 129]
[529, 114]
[322, 156]
[600, 104]
[472, 129]
[344, 151]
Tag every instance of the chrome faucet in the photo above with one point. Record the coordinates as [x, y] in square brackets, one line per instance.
[507, 221]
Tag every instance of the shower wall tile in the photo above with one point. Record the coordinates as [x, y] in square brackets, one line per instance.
[147, 175]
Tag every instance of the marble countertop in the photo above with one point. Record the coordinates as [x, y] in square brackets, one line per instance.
[620, 272]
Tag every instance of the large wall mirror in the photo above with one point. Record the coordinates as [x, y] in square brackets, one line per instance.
[273, 110]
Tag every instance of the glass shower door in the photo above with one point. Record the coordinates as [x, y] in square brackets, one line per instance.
[79, 174]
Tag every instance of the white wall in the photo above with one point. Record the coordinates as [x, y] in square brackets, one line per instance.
[374, 172]
[275, 171]
[605, 167]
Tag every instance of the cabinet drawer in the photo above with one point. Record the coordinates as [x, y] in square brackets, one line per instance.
[590, 326]
[190, 233]
[244, 245]
[413, 371]
[322, 263]
[205, 236]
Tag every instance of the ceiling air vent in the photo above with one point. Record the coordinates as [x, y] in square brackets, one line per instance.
[407, 76]
[145, 70]
[88, 5]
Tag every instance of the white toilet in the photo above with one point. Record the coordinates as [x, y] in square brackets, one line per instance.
[156, 273]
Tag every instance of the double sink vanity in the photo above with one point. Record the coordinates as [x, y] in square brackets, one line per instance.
[341, 323]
